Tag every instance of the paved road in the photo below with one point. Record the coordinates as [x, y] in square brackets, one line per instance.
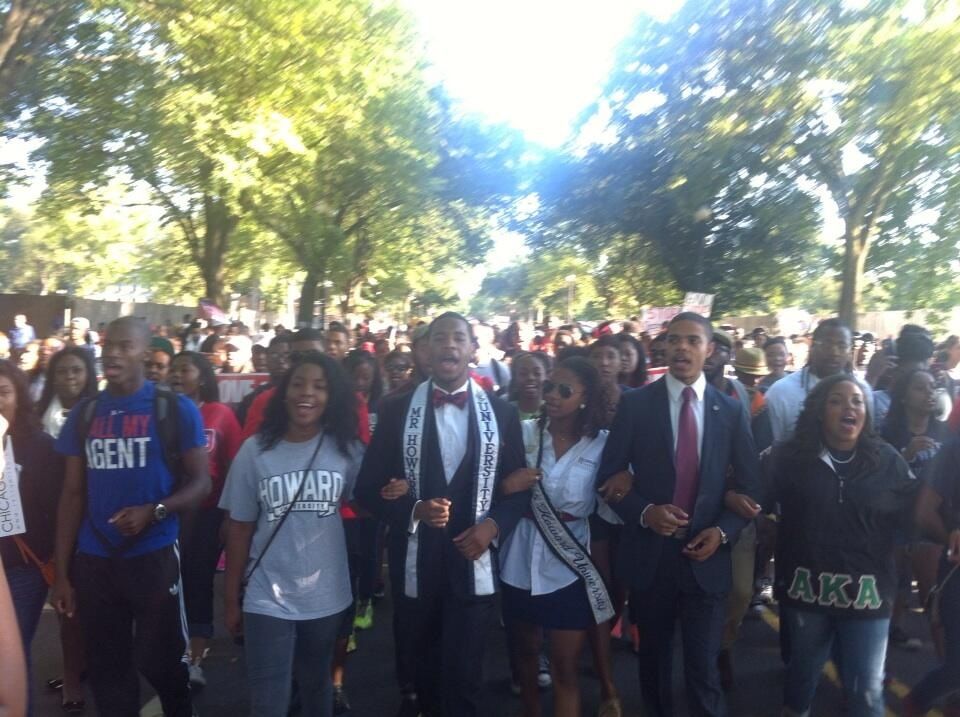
[372, 690]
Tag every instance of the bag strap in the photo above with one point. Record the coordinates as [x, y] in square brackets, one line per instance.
[26, 553]
[166, 410]
[283, 518]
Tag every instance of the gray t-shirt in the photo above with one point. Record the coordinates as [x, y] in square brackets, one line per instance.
[304, 574]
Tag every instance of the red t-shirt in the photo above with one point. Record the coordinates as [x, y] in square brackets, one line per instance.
[222, 432]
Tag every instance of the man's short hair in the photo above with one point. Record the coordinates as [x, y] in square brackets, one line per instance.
[306, 334]
[696, 318]
[452, 315]
[335, 327]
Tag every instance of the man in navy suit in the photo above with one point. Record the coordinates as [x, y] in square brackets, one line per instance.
[432, 473]
[680, 438]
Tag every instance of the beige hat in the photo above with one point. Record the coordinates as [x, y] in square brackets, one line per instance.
[751, 361]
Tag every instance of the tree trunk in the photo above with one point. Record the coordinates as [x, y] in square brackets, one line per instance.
[308, 296]
[854, 263]
[219, 223]
[23, 37]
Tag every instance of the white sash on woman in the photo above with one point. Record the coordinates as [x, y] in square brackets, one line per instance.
[488, 454]
[565, 546]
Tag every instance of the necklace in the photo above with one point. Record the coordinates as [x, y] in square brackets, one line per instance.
[841, 462]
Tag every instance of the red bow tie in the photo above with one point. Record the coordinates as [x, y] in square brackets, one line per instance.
[454, 399]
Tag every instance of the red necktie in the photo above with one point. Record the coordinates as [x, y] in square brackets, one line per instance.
[687, 460]
[454, 399]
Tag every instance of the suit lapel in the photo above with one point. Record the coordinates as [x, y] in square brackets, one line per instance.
[710, 408]
[666, 427]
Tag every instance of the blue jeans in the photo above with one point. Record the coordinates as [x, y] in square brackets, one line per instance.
[277, 651]
[862, 644]
[28, 590]
[945, 679]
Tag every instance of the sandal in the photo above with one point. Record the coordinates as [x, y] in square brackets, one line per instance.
[55, 684]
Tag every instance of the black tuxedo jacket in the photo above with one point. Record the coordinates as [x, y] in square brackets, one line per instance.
[641, 439]
[440, 566]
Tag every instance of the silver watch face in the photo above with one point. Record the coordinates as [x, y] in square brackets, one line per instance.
[160, 512]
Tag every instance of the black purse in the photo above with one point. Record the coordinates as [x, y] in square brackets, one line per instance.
[256, 563]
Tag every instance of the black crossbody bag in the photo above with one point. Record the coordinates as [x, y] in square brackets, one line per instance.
[283, 518]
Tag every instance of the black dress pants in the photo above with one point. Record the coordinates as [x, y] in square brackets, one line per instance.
[448, 635]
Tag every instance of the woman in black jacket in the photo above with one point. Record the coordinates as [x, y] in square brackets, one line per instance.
[30, 457]
[843, 495]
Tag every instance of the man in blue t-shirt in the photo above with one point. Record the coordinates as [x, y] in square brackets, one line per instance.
[117, 558]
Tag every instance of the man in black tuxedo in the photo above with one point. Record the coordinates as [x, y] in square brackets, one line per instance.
[431, 473]
[679, 437]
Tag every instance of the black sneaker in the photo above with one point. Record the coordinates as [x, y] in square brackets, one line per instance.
[341, 705]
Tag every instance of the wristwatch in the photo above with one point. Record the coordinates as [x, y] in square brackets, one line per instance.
[160, 513]
[723, 536]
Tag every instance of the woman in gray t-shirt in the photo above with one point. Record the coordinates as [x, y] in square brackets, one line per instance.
[285, 538]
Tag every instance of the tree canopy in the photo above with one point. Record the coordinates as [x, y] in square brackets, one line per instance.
[254, 144]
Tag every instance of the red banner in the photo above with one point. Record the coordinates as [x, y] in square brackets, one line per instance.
[234, 386]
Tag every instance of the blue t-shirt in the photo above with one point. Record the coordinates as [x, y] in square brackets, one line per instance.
[125, 465]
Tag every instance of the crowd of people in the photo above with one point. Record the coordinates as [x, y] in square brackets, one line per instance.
[564, 481]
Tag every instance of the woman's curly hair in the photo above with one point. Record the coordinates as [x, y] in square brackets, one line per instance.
[339, 417]
[807, 442]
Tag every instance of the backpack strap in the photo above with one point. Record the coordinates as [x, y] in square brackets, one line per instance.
[88, 409]
[166, 410]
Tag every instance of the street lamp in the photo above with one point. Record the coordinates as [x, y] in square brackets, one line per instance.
[571, 283]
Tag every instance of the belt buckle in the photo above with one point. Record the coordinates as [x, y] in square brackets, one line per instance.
[680, 533]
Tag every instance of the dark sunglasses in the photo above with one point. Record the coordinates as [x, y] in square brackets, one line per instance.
[565, 390]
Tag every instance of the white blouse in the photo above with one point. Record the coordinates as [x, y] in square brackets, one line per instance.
[526, 560]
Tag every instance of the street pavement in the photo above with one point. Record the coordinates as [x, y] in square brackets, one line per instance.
[372, 688]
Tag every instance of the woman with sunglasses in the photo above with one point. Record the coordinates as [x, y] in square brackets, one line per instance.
[285, 538]
[192, 375]
[71, 377]
[540, 592]
[397, 370]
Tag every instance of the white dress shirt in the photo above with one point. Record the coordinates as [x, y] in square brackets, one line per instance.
[452, 426]
[526, 560]
[675, 393]
[675, 399]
